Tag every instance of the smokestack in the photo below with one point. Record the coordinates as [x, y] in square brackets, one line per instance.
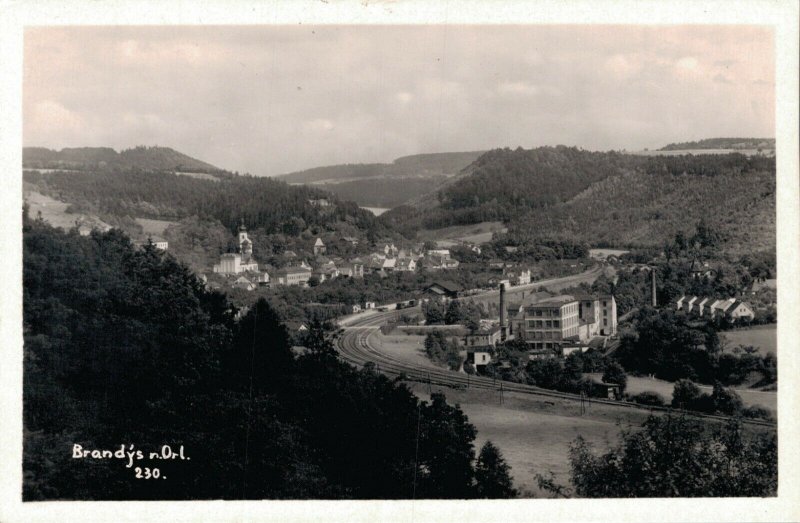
[653, 286]
[502, 311]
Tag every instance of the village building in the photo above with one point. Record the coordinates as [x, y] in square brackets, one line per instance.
[355, 309]
[559, 321]
[352, 270]
[293, 276]
[319, 247]
[483, 338]
[406, 265]
[157, 242]
[701, 270]
[238, 262]
[732, 309]
[244, 284]
[444, 290]
[479, 359]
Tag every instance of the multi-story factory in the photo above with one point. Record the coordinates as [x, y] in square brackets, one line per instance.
[552, 322]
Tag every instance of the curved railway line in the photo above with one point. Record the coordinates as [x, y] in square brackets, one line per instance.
[353, 346]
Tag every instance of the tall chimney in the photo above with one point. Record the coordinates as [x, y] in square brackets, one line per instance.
[503, 329]
[653, 286]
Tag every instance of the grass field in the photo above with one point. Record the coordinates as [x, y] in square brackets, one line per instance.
[768, 399]
[476, 233]
[765, 337]
[55, 212]
[533, 434]
[154, 227]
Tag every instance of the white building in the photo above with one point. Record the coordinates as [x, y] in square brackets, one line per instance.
[242, 261]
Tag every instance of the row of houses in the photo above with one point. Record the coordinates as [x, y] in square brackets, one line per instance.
[704, 307]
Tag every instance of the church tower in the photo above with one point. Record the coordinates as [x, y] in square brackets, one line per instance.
[245, 244]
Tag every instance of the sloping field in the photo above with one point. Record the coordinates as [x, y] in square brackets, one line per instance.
[764, 337]
[55, 212]
[476, 233]
[154, 227]
[534, 434]
[768, 399]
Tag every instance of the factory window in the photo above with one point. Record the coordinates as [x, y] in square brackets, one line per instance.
[605, 321]
[556, 323]
[605, 312]
[548, 324]
[538, 313]
[604, 304]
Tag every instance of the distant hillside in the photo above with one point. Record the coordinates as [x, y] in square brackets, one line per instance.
[386, 184]
[723, 143]
[89, 158]
[604, 198]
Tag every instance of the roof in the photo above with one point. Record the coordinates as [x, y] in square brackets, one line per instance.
[242, 279]
[318, 243]
[293, 270]
[555, 300]
[446, 285]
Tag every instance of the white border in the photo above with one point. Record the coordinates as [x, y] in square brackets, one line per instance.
[781, 14]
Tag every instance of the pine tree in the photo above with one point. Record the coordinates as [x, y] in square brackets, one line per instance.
[492, 478]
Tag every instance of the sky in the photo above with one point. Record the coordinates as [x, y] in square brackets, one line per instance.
[275, 99]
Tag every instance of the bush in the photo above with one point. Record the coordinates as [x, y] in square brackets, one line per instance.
[757, 412]
[684, 394]
[648, 398]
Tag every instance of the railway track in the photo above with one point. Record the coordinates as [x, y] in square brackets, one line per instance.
[353, 346]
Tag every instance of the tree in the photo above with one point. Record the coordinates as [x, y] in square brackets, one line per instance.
[684, 394]
[725, 400]
[674, 457]
[614, 373]
[433, 313]
[454, 314]
[492, 478]
[446, 452]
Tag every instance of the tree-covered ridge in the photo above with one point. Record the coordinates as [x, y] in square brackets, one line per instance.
[723, 143]
[424, 165]
[88, 158]
[261, 202]
[606, 198]
[125, 346]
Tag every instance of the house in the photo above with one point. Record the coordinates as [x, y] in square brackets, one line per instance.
[406, 265]
[443, 253]
[263, 279]
[319, 247]
[518, 276]
[350, 240]
[479, 358]
[563, 321]
[390, 251]
[293, 276]
[243, 283]
[326, 271]
[732, 309]
[155, 241]
[701, 270]
[320, 202]
[444, 289]
[356, 309]
[369, 305]
[352, 269]
[483, 338]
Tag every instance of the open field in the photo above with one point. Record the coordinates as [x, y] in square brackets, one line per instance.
[534, 434]
[768, 399]
[55, 212]
[409, 348]
[154, 227]
[475, 233]
[765, 337]
[377, 211]
[602, 254]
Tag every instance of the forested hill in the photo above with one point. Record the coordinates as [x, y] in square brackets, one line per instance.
[386, 184]
[415, 165]
[604, 197]
[89, 158]
[262, 203]
[723, 143]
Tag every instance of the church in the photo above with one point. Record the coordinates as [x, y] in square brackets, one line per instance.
[238, 262]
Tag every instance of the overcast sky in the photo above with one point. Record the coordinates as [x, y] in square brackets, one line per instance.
[270, 100]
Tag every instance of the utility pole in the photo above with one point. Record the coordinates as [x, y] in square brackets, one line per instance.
[501, 393]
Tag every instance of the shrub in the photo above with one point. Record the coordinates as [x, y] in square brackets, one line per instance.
[648, 398]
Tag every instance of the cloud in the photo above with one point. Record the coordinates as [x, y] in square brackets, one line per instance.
[722, 79]
[319, 124]
[687, 63]
[517, 89]
[404, 97]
